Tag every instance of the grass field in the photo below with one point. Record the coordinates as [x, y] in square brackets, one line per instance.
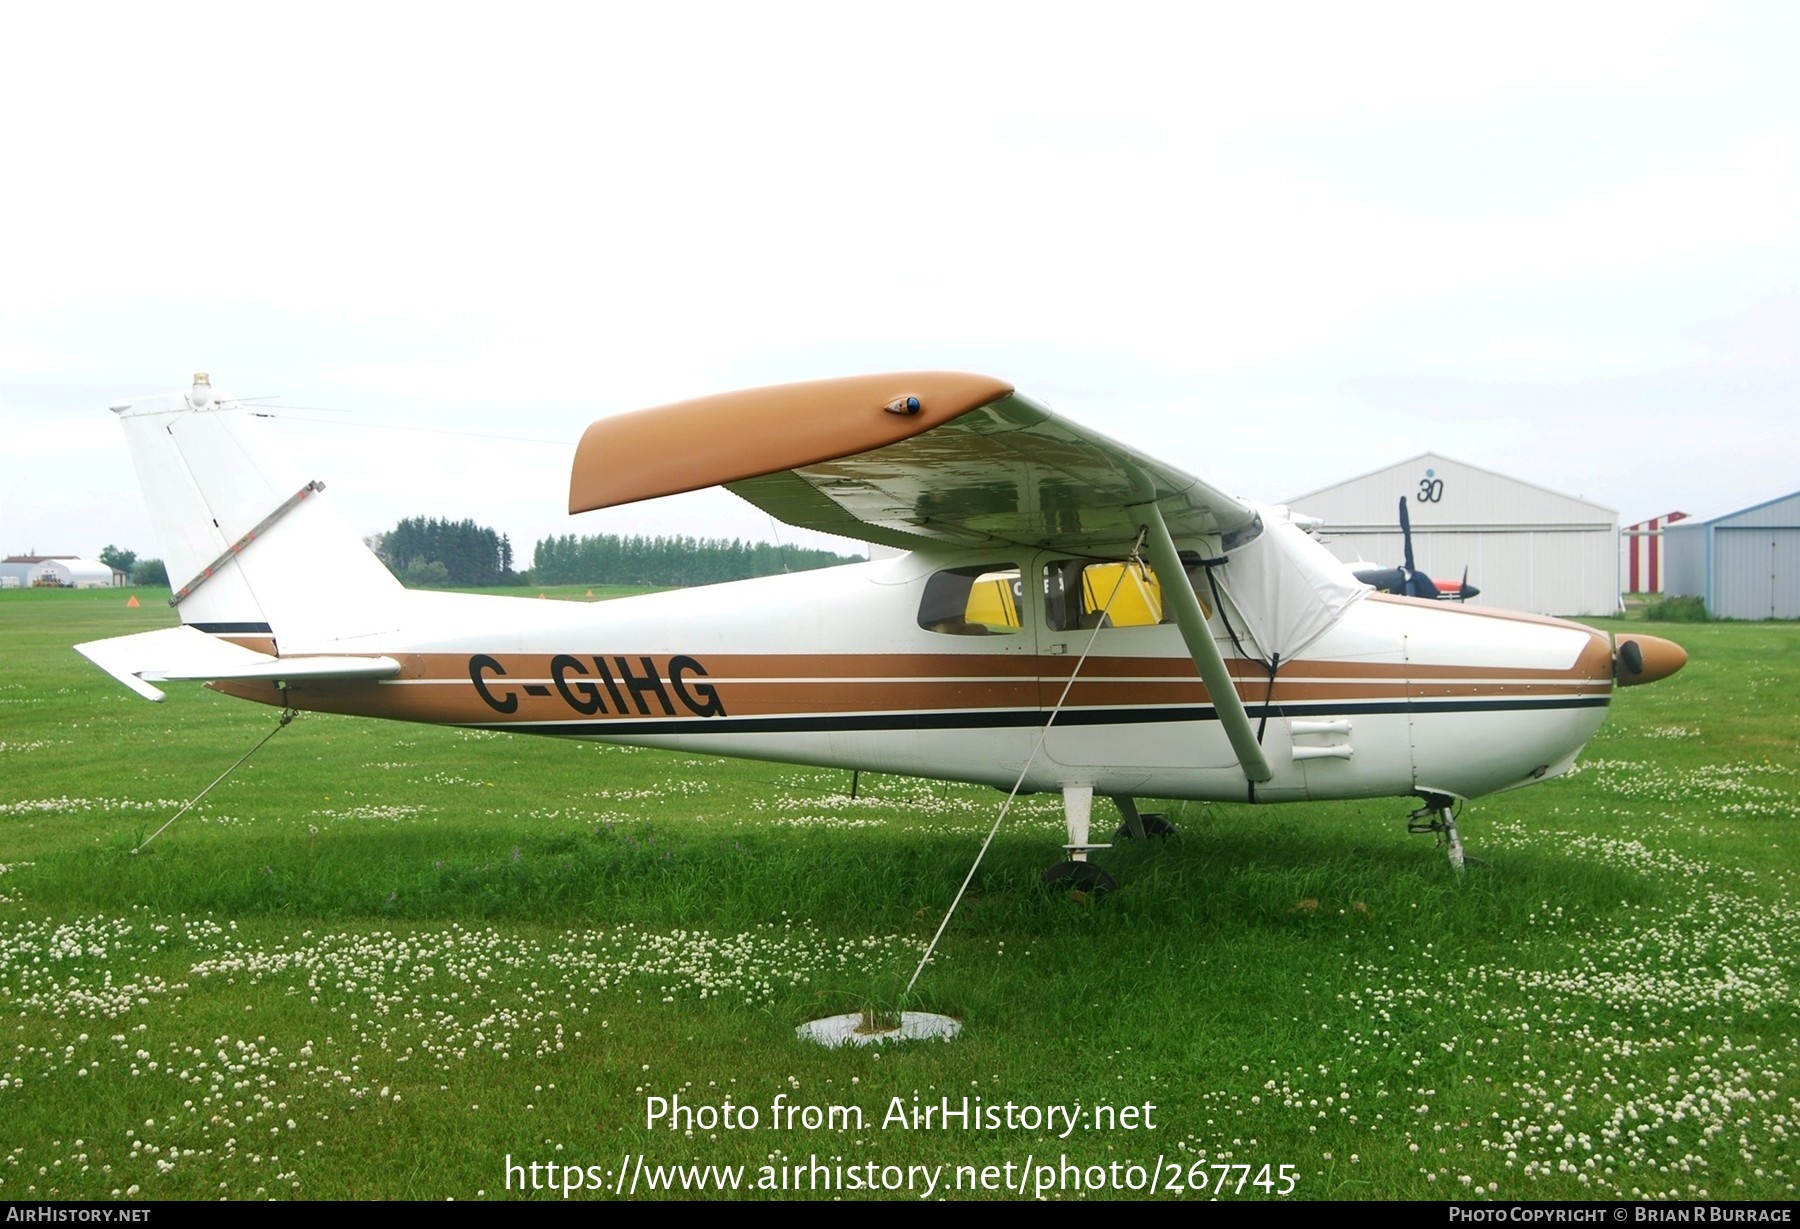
[381, 960]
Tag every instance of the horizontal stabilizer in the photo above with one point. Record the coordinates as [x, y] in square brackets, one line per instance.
[186, 653]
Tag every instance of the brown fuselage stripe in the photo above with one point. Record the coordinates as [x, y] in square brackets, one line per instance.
[523, 688]
[932, 667]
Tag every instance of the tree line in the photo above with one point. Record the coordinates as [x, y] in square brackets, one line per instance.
[430, 552]
[608, 559]
[426, 552]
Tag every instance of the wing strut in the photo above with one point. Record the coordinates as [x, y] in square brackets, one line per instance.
[1200, 646]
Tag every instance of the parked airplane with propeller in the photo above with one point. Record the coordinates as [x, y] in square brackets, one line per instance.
[1406, 580]
[1071, 615]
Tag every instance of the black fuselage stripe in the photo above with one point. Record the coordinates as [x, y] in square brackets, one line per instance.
[992, 719]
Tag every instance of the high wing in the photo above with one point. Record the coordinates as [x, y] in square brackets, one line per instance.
[903, 460]
[923, 458]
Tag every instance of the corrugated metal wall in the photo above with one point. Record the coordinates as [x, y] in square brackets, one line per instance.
[1684, 559]
[1756, 573]
[1539, 571]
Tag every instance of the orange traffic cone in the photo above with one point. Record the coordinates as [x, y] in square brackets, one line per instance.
[132, 604]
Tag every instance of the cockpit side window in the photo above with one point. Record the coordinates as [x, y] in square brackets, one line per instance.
[1083, 593]
[983, 600]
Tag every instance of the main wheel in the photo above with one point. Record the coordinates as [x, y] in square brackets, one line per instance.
[1078, 881]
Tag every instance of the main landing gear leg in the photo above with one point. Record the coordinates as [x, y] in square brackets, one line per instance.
[1137, 827]
[1439, 815]
[1078, 877]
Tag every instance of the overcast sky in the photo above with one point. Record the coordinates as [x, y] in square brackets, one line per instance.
[1278, 245]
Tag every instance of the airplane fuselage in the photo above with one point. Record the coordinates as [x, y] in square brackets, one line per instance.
[843, 668]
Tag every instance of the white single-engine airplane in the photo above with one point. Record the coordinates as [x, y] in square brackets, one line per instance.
[1030, 637]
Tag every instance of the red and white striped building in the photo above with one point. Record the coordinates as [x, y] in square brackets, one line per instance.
[1641, 552]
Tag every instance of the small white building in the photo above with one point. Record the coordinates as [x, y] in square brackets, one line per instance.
[57, 571]
[1745, 564]
[1526, 548]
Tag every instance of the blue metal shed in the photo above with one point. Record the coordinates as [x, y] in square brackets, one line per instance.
[1745, 564]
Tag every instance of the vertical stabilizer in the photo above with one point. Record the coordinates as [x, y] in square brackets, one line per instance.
[246, 557]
